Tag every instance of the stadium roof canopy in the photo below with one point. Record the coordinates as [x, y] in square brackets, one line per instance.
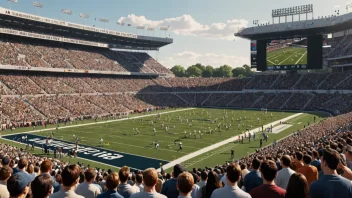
[298, 28]
[10, 19]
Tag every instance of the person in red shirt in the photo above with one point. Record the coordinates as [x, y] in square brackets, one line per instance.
[268, 171]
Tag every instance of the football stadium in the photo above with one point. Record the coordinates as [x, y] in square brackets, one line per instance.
[87, 111]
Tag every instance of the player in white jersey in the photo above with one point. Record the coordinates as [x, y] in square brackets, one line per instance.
[180, 146]
[156, 144]
[101, 142]
[154, 131]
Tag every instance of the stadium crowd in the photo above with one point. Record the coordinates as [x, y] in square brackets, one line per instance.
[60, 55]
[49, 97]
[318, 167]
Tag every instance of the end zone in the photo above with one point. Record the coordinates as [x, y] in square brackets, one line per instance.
[279, 128]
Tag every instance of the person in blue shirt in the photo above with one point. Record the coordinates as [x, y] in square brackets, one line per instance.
[169, 188]
[316, 161]
[330, 185]
[112, 181]
[253, 178]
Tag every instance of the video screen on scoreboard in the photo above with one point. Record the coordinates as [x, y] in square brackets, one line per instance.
[253, 54]
[286, 54]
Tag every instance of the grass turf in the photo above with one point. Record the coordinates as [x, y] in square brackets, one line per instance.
[120, 136]
[287, 56]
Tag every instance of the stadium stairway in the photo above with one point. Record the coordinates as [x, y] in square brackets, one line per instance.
[337, 85]
[282, 106]
[33, 107]
[311, 98]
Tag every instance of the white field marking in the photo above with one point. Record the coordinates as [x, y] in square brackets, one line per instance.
[159, 134]
[271, 62]
[122, 137]
[301, 57]
[299, 122]
[279, 128]
[102, 122]
[288, 57]
[49, 129]
[128, 145]
[207, 156]
[76, 157]
[222, 143]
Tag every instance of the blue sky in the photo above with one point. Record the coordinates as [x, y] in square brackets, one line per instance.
[202, 29]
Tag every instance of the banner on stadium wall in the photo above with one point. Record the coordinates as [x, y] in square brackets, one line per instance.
[51, 38]
[63, 23]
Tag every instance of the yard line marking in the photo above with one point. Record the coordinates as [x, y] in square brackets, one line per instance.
[208, 156]
[272, 62]
[222, 143]
[288, 58]
[122, 138]
[93, 123]
[301, 57]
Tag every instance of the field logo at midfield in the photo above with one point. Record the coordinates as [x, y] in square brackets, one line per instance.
[99, 155]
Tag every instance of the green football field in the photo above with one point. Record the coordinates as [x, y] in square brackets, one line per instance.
[287, 56]
[136, 135]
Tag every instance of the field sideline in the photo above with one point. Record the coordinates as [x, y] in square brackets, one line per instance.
[121, 137]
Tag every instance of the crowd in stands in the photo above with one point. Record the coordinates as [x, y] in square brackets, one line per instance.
[314, 162]
[60, 96]
[60, 55]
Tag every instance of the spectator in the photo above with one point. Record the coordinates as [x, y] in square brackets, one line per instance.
[159, 186]
[125, 189]
[150, 178]
[196, 188]
[283, 176]
[309, 171]
[185, 184]
[18, 185]
[5, 161]
[22, 166]
[46, 167]
[233, 175]
[42, 186]
[297, 186]
[203, 179]
[139, 180]
[331, 185]
[316, 161]
[112, 182]
[87, 188]
[169, 188]
[348, 154]
[253, 178]
[244, 170]
[70, 178]
[268, 171]
[30, 171]
[213, 183]
[5, 174]
[298, 160]
[57, 183]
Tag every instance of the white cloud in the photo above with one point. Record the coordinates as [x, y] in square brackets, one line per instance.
[186, 25]
[188, 58]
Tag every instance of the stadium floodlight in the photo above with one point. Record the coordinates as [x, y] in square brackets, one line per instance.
[14, 1]
[140, 27]
[150, 29]
[104, 20]
[66, 11]
[164, 28]
[83, 15]
[38, 4]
